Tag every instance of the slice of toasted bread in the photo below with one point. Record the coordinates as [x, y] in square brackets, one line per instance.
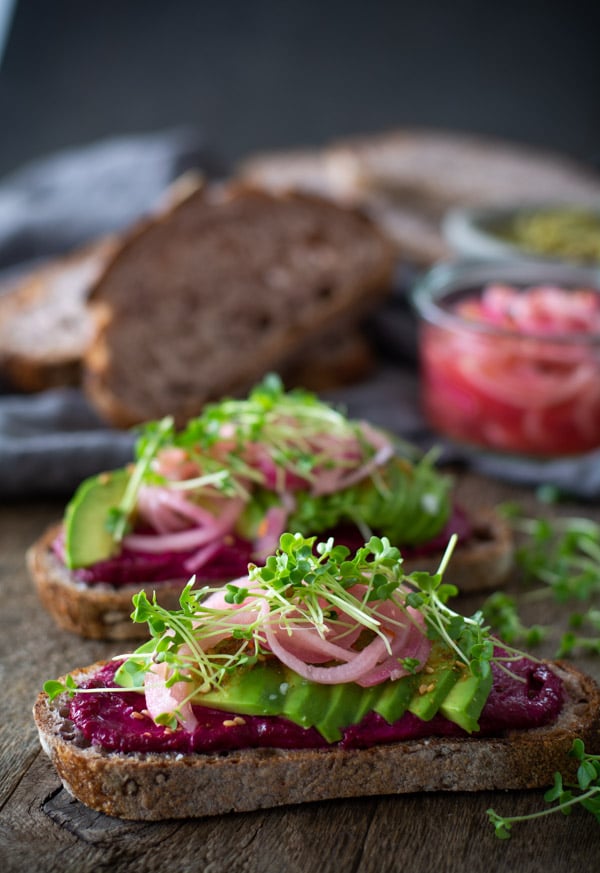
[102, 611]
[154, 786]
[231, 283]
[44, 322]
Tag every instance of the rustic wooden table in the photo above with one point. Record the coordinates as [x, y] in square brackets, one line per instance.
[43, 829]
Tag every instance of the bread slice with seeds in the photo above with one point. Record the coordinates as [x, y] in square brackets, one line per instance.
[152, 785]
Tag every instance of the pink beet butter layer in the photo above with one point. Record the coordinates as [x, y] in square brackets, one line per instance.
[117, 721]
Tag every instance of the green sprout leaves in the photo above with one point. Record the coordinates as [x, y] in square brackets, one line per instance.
[585, 793]
[560, 560]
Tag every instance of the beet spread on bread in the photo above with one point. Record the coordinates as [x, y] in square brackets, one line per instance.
[216, 495]
[322, 673]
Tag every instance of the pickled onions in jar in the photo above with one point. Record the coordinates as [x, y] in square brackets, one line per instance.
[517, 370]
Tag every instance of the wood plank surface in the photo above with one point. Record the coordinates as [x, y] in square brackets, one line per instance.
[43, 829]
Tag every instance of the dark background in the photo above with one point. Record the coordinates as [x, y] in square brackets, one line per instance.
[272, 73]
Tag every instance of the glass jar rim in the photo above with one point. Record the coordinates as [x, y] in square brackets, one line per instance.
[446, 278]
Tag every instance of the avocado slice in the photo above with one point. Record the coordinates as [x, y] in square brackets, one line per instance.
[87, 537]
[394, 697]
[434, 683]
[270, 688]
[463, 704]
[258, 690]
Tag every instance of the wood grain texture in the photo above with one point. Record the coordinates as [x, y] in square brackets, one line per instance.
[43, 829]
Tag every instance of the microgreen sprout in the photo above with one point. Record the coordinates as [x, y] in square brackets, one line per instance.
[560, 560]
[147, 447]
[315, 584]
[585, 793]
[304, 584]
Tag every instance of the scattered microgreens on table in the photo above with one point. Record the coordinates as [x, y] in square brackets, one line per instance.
[587, 794]
[564, 556]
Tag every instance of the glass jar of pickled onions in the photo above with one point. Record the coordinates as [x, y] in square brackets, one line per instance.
[510, 355]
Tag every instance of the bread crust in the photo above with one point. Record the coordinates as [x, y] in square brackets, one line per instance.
[44, 323]
[99, 612]
[153, 786]
[482, 564]
[103, 611]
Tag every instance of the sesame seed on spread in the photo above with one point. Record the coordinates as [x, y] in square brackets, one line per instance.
[425, 689]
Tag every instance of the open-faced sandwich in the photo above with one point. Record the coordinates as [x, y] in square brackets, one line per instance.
[321, 674]
[208, 499]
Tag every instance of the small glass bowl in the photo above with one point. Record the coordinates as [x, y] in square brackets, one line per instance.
[563, 232]
[515, 392]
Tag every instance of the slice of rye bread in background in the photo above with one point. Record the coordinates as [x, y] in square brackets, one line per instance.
[153, 786]
[438, 169]
[102, 611]
[406, 179]
[45, 326]
[231, 283]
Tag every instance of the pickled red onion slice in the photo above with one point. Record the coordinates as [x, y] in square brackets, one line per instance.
[188, 539]
[308, 644]
[201, 558]
[409, 641]
[161, 699]
[339, 478]
[168, 511]
[360, 664]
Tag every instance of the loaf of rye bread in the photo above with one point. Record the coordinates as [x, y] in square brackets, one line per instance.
[155, 785]
[232, 282]
[102, 611]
